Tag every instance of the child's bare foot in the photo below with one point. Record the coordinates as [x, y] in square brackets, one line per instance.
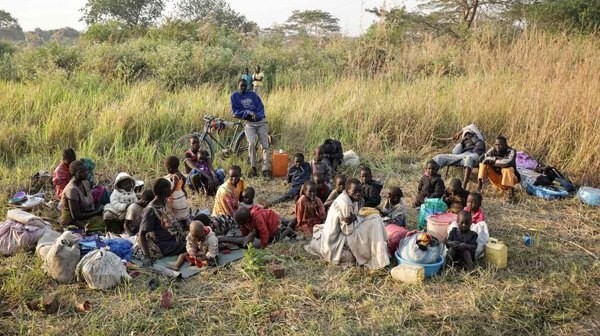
[174, 267]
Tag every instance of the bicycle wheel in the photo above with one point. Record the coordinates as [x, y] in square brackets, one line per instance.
[183, 144]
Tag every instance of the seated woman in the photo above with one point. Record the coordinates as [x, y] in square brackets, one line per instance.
[77, 203]
[365, 237]
[160, 234]
[201, 174]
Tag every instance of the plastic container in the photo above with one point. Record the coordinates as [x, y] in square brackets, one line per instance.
[437, 225]
[410, 274]
[279, 163]
[429, 269]
[496, 253]
[589, 196]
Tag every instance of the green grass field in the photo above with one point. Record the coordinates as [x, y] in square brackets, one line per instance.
[542, 92]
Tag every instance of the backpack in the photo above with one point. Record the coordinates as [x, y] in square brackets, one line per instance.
[332, 150]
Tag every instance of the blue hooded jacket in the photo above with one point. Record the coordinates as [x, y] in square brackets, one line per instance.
[242, 104]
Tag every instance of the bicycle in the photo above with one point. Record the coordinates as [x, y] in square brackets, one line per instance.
[229, 136]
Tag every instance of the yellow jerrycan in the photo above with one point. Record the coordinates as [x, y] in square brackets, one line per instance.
[496, 253]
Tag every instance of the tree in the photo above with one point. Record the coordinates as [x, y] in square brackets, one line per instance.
[10, 28]
[217, 10]
[454, 15]
[312, 22]
[580, 15]
[130, 12]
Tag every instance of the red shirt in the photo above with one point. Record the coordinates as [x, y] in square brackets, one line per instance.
[477, 216]
[265, 222]
[60, 178]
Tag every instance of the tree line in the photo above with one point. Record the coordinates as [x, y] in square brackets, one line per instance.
[439, 17]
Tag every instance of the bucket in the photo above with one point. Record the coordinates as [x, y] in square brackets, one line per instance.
[279, 163]
[437, 225]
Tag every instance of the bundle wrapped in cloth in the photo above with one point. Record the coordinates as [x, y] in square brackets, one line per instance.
[20, 231]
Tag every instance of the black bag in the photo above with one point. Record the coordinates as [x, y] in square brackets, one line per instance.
[332, 150]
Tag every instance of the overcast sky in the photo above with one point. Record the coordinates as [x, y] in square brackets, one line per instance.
[52, 14]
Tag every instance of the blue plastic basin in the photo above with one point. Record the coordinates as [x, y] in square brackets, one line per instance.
[430, 269]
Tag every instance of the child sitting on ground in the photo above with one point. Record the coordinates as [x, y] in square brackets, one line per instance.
[393, 208]
[393, 211]
[371, 188]
[120, 199]
[318, 165]
[247, 198]
[309, 209]
[177, 202]
[339, 185]
[202, 245]
[473, 206]
[133, 216]
[256, 222]
[431, 184]
[298, 173]
[462, 242]
[455, 196]
[201, 174]
[323, 189]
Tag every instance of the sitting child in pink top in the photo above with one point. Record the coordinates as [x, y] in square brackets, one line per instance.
[478, 224]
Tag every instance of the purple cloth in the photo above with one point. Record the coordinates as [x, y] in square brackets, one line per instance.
[524, 160]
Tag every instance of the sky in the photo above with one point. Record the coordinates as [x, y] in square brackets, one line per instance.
[52, 14]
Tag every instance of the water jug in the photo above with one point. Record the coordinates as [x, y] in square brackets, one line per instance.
[280, 163]
[496, 253]
[411, 274]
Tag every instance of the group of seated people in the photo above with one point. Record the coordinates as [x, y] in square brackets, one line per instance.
[327, 206]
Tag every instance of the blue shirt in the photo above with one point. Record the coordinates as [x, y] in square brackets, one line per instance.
[298, 175]
[242, 104]
[248, 79]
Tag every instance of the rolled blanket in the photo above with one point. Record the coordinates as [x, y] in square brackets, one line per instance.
[26, 218]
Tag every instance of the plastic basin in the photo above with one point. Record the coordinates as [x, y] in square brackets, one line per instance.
[430, 269]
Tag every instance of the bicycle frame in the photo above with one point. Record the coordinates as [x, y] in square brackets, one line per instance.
[237, 128]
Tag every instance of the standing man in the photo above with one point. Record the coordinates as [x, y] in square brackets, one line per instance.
[257, 80]
[248, 106]
[499, 166]
[248, 78]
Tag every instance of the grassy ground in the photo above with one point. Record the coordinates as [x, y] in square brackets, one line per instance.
[541, 91]
[552, 288]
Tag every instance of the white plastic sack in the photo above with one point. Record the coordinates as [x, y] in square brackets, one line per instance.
[351, 158]
[45, 242]
[483, 236]
[410, 251]
[101, 269]
[15, 236]
[26, 218]
[62, 258]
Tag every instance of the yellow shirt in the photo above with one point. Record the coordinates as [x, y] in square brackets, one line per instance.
[257, 79]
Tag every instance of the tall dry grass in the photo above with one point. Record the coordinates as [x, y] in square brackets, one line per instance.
[541, 91]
